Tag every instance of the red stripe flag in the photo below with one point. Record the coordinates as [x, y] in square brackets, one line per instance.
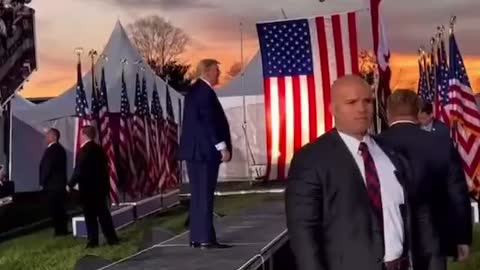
[106, 139]
[301, 59]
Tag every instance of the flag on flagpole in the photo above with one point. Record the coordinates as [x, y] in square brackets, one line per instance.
[301, 58]
[171, 134]
[105, 135]
[139, 138]
[464, 117]
[126, 147]
[154, 167]
[382, 52]
[81, 110]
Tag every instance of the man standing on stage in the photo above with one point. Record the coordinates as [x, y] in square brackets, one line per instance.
[345, 197]
[91, 175]
[204, 144]
[53, 178]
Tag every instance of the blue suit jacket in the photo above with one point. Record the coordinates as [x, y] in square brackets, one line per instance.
[204, 125]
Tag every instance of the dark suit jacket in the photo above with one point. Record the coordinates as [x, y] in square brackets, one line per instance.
[53, 168]
[438, 193]
[204, 125]
[439, 128]
[330, 222]
[91, 173]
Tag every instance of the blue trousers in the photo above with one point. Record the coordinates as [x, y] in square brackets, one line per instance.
[203, 180]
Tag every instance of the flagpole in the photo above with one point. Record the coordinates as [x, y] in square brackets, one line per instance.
[244, 103]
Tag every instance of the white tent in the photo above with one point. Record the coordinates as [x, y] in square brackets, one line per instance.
[29, 121]
[242, 100]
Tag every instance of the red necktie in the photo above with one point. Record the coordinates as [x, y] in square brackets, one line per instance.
[372, 183]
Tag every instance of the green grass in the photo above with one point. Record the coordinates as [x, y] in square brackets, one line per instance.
[40, 251]
[474, 262]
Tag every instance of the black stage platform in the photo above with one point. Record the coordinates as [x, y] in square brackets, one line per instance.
[255, 233]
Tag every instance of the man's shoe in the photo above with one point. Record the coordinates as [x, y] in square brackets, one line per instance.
[214, 245]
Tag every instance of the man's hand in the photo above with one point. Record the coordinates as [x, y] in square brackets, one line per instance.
[67, 188]
[463, 252]
[226, 156]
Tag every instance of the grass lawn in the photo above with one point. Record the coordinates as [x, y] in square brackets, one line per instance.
[40, 251]
[474, 262]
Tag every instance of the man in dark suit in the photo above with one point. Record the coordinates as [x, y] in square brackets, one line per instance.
[53, 178]
[345, 200]
[438, 192]
[204, 144]
[91, 175]
[428, 121]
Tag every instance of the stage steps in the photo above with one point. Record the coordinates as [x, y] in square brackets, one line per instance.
[256, 235]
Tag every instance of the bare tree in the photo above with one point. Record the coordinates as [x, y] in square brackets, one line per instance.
[157, 40]
[234, 70]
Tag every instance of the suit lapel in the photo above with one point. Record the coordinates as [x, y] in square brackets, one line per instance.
[348, 167]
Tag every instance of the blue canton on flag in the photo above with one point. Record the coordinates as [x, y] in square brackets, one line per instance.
[286, 48]
[81, 105]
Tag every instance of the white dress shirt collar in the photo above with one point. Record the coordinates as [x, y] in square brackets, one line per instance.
[353, 143]
[85, 142]
[403, 122]
[207, 82]
[50, 144]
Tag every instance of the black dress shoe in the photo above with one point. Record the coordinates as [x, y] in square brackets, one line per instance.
[215, 245]
[113, 242]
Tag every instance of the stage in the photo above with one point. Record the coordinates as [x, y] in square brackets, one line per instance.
[256, 235]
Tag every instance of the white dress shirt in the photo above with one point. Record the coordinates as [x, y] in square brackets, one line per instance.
[221, 145]
[390, 190]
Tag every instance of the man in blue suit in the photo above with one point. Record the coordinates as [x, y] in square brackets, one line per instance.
[429, 123]
[204, 144]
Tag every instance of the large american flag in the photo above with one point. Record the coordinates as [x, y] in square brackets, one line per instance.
[139, 136]
[171, 145]
[126, 146]
[105, 134]
[301, 59]
[464, 117]
[81, 110]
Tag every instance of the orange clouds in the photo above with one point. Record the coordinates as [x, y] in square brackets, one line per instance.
[405, 71]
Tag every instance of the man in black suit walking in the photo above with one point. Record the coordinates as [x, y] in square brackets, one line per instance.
[204, 144]
[53, 178]
[91, 175]
[438, 193]
[345, 201]
[429, 123]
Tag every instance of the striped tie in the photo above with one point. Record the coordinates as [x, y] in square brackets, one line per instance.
[372, 182]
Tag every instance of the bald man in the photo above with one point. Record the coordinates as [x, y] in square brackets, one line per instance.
[345, 200]
[205, 143]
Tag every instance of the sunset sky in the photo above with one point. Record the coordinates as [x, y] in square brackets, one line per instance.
[213, 26]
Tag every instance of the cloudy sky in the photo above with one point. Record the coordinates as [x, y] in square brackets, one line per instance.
[213, 26]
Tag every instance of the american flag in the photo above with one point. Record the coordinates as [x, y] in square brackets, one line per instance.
[424, 91]
[464, 117]
[81, 110]
[139, 138]
[105, 134]
[301, 59]
[441, 98]
[171, 145]
[126, 146]
[155, 169]
[94, 106]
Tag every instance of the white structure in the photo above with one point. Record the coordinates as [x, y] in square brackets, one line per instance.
[29, 121]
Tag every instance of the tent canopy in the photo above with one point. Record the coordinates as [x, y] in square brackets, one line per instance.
[118, 48]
